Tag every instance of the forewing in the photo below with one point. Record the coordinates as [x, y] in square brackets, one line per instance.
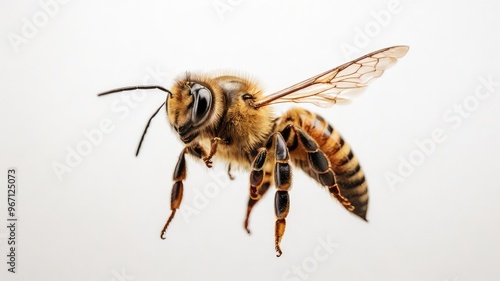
[334, 86]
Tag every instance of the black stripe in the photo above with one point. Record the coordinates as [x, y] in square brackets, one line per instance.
[346, 159]
[361, 201]
[328, 131]
[340, 144]
[350, 155]
[350, 173]
[351, 184]
[358, 202]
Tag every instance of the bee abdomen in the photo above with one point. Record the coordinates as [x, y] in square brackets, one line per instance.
[348, 173]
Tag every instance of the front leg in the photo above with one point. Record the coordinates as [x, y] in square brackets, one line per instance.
[213, 149]
[177, 189]
[178, 177]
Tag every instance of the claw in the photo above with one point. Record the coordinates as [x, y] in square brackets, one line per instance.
[162, 236]
[246, 225]
[278, 251]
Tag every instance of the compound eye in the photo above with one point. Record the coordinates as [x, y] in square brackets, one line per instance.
[202, 103]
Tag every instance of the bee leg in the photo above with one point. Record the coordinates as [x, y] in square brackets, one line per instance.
[283, 180]
[177, 189]
[257, 179]
[213, 149]
[180, 175]
[320, 164]
[257, 174]
[255, 197]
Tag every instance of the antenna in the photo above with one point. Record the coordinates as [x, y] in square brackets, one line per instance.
[133, 88]
[146, 129]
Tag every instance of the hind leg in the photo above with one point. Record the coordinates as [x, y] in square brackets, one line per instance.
[317, 160]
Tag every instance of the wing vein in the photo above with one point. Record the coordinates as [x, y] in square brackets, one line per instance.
[325, 89]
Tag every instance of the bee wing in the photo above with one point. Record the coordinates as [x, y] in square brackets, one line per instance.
[325, 89]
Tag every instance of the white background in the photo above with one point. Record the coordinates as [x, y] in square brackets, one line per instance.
[101, 221]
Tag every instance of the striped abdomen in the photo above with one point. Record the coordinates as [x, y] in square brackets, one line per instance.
[348, 173]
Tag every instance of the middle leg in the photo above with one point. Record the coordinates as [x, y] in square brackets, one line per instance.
[282, 180]
[317, 162]
[259, 183]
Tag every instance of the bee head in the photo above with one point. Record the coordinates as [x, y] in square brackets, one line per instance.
[189, 108]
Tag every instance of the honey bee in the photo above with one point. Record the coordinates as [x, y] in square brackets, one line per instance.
[228, 118]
